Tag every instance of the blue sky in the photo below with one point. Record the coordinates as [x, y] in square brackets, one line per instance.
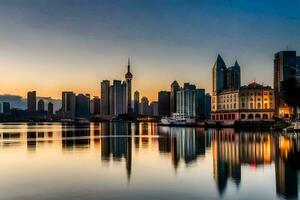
[52, 46]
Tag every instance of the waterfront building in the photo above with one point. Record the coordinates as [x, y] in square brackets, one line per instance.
[164, 103]
[186, 101]
[82, 106]
[68, 105]
[136, 102]
[173, 97]
[128, 77]
[286, 65]
[219, 75]
[31, 101]
[105, 100]
[200, 104]
[41, 105]
[234, 77]
[4, 107]
[253, 101]
[124, 97]
[144, 106]
[207, 106]
[50, 109]
[154, 108]
[95, 105]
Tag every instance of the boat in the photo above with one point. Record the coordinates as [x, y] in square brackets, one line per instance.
[177, 120]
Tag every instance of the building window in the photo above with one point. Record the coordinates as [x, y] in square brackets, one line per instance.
[258, 106]
[265, 116]
[243, 105]
[251, 105]
[257, 116]
[266, 105]
[243, 116]
[250, 116]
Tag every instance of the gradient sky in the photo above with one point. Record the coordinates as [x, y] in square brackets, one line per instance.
[56, 45]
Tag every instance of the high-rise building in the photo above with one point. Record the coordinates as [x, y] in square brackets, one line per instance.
[95, 104]
[174, 88]
[234, 77]
[207, 106]
[153, 108]
[164, 103]
[219, 75]
[31, 101]
[136, 102]
[68, 105]
[200, 104]
[128, 77]
[41, 105]
[186, 101]
[82, 106]
[111, 100]
[105, 88]
[124, 97]
[118, 99]
[286, 65]
[50, 109]
[144, 106]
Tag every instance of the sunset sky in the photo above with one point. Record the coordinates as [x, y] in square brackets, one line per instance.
[50, 46]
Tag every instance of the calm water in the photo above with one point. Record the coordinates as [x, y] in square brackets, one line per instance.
[145, 161]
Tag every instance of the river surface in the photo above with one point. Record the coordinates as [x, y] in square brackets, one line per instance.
[145, 161]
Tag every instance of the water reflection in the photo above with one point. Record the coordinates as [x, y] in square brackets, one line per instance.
[232, 153]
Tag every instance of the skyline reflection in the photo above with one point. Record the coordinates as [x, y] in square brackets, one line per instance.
[234, 155]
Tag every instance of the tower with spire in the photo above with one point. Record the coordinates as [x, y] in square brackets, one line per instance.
[219, 75]
[234, 77]
[128, 77]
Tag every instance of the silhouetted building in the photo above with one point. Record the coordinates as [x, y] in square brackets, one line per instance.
[82, 106]
[111, 100]
[286, 65]
[41, 105]
[105, 88]
[174, 88]
[5, 107]
[128, 77]
[95, 104]
[31, 101]
[50, 108]
[200, 104]
[154, 108]
[234, 77]
[207, 106]
[136, 102]
[68, 105]
[144, 106]
[164, 103]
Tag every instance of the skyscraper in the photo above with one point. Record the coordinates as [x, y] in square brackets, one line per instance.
[286, 65]
[207, 106]
[219, 75]
[186, 101]
[144, 106]
[128, 77]
[41, 105]
[111, 100]
[118, 99]
[95, 104]
[31, 101]
[200, 104]
[136, 102]
[153, 108]
[82, 106]
[164, 103]
[174, 88]
[124, 97]
[234, 77]
[105, 88]
[68, 105]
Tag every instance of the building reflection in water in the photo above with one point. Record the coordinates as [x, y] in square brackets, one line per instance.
[231, 150]
[75, 136]
[183, 143]
[116, 143]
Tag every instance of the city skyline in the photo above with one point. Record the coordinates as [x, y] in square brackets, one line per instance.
[53, 46]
